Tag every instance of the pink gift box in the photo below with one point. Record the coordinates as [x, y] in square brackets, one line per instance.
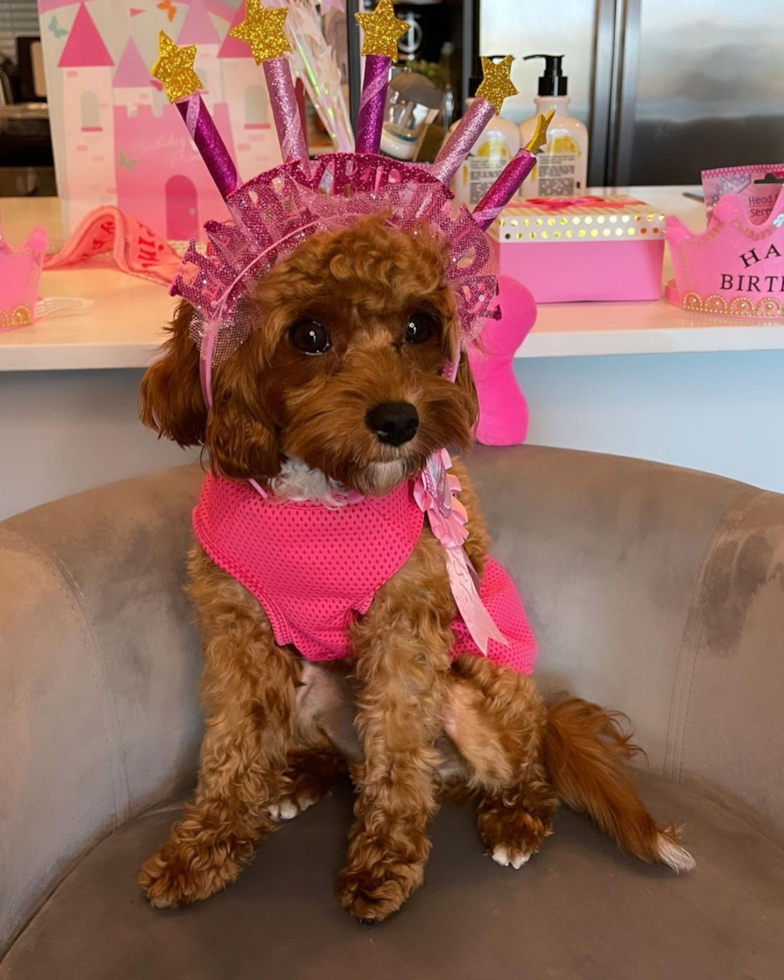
[568, 250]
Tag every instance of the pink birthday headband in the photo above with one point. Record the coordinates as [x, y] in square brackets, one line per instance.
[273, 213]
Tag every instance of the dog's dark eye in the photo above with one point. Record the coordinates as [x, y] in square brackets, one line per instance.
[420, 328]
[310, 336]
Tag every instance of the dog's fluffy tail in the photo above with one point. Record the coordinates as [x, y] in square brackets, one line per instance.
[586, 754]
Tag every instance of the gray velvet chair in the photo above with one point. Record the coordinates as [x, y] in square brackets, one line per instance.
[654, 590]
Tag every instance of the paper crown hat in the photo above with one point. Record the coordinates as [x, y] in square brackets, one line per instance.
[20, 271]
[274, 212]
[734, 267]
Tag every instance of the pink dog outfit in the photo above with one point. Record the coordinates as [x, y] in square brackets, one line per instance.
[314, 569]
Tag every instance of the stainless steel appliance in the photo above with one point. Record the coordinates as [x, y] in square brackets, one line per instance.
[667, 87]
[26, 165]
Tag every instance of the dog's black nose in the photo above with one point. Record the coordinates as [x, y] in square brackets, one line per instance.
[394, 423]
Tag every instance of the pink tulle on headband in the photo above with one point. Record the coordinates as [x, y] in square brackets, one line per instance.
[278, 210]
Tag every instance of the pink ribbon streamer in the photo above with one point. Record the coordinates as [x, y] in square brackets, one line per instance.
[134, 248]
[465, 589]
[285, 111]
[462, 140]
[209, 143]
[435, 492]
[372, 106]
[504, 189]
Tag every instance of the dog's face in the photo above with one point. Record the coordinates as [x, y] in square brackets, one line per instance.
[343, 372]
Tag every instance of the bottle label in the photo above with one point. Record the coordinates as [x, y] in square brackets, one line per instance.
[482, 174]
[557, 168]
[557, 176]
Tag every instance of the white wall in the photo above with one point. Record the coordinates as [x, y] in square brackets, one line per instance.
[723, 412]
[65, 431]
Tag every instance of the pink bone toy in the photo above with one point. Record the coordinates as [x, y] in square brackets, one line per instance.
[503, 410]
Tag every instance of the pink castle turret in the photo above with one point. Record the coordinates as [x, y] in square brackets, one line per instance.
[198, 29]
[132, 81]
[89, 120]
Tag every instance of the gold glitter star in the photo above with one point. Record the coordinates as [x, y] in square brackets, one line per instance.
[174, 68]
[262, 29]
[539, 139]
[382, 30]
[497, 83]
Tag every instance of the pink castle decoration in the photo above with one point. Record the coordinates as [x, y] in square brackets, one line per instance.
[148, 142]
[118, 141]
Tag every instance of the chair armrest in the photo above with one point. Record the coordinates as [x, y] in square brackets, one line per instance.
[98, 699]
[658, 591]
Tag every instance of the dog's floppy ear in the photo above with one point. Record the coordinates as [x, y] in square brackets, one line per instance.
[170, 395]
[242, 439]
[465, 381]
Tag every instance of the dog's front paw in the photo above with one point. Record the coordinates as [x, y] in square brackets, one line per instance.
[372, 891]
[180, 874]
[510, 856]
[511, 834]
[289, 807]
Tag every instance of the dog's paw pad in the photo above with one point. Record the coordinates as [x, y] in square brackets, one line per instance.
[288, 809]
[285, 810]
[509, 858]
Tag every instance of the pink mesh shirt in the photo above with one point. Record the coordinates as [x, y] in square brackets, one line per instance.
[313, 569]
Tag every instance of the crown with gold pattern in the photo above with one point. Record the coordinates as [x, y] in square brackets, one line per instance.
[20, 272]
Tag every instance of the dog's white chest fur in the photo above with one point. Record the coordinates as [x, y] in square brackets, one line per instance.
[298, 483]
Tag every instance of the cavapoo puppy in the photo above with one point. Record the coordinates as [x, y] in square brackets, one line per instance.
[310, 549]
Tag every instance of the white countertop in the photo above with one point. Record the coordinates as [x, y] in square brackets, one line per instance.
[125, 325]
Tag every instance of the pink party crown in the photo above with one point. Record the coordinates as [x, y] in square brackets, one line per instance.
[273, 213]
[734, 268]
[20, 271]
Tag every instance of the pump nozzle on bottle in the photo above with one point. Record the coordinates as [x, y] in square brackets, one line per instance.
[553, 82]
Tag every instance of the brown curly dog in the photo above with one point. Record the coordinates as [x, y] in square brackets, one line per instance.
[355, 319]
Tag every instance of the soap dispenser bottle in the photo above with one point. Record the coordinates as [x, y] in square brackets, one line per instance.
[562, 164]
[494, 149]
